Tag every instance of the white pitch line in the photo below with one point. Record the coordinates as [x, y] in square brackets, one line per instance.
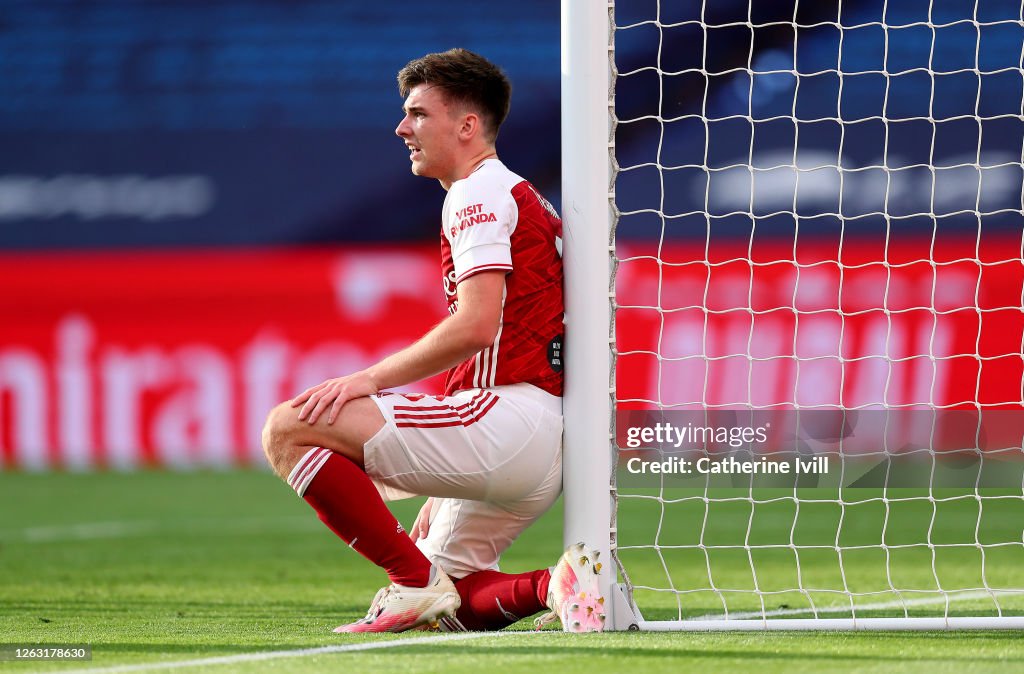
[880, 606]
[297, 653]
[88, 531]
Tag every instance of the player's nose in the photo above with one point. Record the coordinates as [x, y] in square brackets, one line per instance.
[402, 130]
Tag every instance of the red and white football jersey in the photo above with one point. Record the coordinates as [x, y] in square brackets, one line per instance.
[495, 219]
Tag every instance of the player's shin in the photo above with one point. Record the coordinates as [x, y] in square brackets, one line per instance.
[348, 503]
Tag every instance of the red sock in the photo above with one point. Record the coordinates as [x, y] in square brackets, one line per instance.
[348, 503]
[493, 600]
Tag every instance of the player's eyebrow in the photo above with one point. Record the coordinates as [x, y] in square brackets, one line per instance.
[412, 108]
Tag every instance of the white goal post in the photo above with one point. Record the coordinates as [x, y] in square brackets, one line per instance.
[842, 280]
[586, 107]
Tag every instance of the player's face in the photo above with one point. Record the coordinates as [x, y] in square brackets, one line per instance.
[430, 131]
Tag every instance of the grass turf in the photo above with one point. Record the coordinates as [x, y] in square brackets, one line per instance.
[166, 567]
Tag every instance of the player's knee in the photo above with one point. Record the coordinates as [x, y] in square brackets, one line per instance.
[276, 432]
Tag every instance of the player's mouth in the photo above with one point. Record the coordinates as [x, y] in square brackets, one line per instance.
[414, 151]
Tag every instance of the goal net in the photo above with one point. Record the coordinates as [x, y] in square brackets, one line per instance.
[816, 403]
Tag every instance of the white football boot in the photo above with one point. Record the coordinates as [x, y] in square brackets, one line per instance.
[398, 608]
[574, 595]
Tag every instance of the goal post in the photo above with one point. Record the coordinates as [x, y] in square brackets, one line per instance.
[794, 236]
[588, 253]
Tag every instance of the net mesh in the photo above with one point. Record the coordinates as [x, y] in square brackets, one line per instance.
[818, 226]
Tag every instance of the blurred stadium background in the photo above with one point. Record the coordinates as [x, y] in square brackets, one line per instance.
[203, 208]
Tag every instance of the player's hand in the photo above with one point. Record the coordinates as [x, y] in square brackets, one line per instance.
[333, 394]
[421, 526]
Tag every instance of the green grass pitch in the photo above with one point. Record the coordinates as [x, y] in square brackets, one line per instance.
[164, 567]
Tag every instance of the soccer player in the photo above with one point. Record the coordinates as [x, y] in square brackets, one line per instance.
[488, 452]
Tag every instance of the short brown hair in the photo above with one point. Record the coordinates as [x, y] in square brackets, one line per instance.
[466, 78]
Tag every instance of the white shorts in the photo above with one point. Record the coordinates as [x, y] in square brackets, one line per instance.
[492, 456]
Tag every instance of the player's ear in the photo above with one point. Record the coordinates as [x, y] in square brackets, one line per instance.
[471, 126]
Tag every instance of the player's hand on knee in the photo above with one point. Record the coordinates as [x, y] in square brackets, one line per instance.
[421, 527]
[333, 394]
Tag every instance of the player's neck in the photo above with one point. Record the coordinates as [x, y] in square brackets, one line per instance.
[466, 168]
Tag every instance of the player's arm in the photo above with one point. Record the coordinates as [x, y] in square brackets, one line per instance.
[463, 334]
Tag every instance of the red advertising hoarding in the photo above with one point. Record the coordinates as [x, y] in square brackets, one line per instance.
[174, 358]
